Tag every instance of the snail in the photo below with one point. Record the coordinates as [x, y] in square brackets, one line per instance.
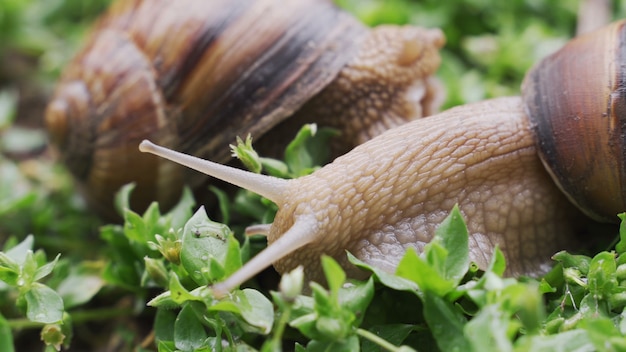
[390, 193]
[193, 74]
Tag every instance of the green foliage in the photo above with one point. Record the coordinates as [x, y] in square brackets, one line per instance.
[154, 271]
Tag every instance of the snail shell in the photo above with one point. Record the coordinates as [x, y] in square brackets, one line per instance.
[192, 75]
[576, 102]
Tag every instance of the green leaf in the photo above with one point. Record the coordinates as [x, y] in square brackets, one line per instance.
[445, 322]
[78, 289]
[275, 168]
[392, 333]
[205, 241]
[44, 305]
[178, 292]
[19, 253]
[135, 227]
[308, 149]
[573, 340]
[335, 276]
[182, 211]
[487, 331]
[579, 262]
[122, 198]
[348, 345]
[620, 247]
[252, 306]
[356, 298]
[389, 280]
[601, 277]
[497, 265]
[189, 333]
[164, 325]
[46, 269]
[604, 334]
[453, 236]
[6, 338]
[8, 107]
[427, 278]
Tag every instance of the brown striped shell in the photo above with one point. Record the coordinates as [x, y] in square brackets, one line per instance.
[576, 102]
[193, 74]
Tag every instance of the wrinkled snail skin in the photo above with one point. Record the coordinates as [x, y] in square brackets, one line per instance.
[390, 193]
[194, 74]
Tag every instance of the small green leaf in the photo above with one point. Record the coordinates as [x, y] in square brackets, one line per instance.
[164, 325]
[427, 278]
[350, 344]
[620, 247]
[182, 211]
[134, 226]
[252, 306]
[487, 331]
[122, 198]
[156, 271]
[204, 241]
[601, 277]
[445, 322]
[6, 337]
[8, 107]
[46, 269]
[275, 168]
[604, 334]
[389, 280]
[392, 333]
[18, 254]
[179, 293]
[223, 202]
[453, 236]
[335, 276]
[44, 305]
[573, 340]
[579, 262]
[77, 289]
[189, 333]
[308, 149]
[255, 309]
[356, 298]
[497, 265]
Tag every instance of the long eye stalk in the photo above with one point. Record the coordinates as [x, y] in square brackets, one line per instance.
[269, 187]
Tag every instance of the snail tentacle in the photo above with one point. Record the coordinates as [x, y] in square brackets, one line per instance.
[269, 187]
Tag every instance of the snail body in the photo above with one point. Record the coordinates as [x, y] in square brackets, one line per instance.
[390, 193]
[194, 74]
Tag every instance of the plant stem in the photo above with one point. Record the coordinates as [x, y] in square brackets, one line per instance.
[77, 317]
[377, 340]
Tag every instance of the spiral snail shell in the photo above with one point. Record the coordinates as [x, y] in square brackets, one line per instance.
[192, 75]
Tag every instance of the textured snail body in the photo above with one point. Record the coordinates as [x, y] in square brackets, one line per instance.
[194, 74]
[390, 193]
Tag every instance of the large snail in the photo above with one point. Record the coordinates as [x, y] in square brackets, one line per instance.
[390, 193]
[194, 74]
